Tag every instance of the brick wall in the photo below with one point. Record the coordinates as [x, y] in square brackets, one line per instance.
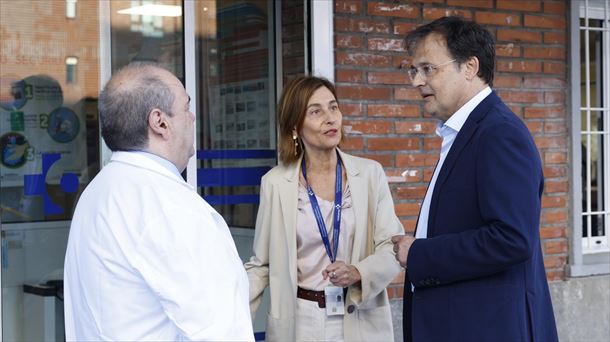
[387, 120]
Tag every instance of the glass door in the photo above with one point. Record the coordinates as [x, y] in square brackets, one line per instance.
[49, 151]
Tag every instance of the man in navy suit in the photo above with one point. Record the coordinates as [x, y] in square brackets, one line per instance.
[474, 269]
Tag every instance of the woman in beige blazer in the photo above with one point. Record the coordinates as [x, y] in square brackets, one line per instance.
[290, 255]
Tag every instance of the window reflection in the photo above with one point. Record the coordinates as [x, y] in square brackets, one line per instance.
[236, 104]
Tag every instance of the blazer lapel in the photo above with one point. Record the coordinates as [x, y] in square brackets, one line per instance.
[463, 137]
[288, 192]
[357, 185]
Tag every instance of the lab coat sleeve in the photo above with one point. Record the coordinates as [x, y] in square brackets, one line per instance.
[190, 263]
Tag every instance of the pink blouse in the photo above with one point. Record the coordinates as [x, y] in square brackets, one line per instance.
[311, 254]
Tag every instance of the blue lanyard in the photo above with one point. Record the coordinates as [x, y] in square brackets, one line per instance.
[337, 209]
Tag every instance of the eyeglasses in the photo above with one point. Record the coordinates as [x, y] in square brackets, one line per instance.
[425, 70]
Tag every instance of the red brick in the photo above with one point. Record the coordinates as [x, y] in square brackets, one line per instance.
[415, 127]
[416, 159]
[519, 66]
[393, 110]
[362, 59]
[410, 160]
[554, 171]
[555, 127]
[432, 143]
[554, 37]
[393, 77]
[554, 261]
[349, 76]
[554, 7]
[521, 96]
[386, 44]
[409, 176]
[471, 3]
[408, 225]
[554, 201]
[552, 232]
[392, 144]
[407, 209]
[411, 192]
[543, 82]
[393, 10]
[555, 216]
[369, 126]
[352, 143]
[343, 24]
[517, 109]
[400, 61]
[497, 18]
[555, 68]
[435, 13]
[555, 158]
[398, 279]
[555, 247]
[431, 1]
[363, 92]
[546, 52]
[508, 50]
[351, 109]
[519, 5]
[507, 82]
[555, 186]
[397, 291]
[428, 175]
[535, 127]
[386, 160]
[348, 6]
[550, 142]
[519, 36]
[402, 29]
[555, 275]
[555, 97]
[348, 41]
[544, 22]
[544, 112]
[406, 94]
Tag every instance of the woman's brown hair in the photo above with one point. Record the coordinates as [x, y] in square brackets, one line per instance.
[291, 113]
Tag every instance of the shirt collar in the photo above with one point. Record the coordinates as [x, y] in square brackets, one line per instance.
[457, 120]
[160, 160]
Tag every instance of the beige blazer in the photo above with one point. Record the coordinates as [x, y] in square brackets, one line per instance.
[274, 263]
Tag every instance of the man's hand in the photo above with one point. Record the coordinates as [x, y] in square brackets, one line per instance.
[402, 244]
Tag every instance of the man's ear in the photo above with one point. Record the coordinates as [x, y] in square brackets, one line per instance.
[157, 122]
[472, 68]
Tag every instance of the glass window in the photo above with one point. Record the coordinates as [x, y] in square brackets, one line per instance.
[594, 134]
[49, 151]
[236, 131]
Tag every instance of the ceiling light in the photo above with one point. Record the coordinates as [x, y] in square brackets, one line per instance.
[154, 10]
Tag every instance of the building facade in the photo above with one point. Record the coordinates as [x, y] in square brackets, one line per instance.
[553, 70]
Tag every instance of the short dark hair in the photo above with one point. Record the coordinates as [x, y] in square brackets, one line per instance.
[464, 39]
[291, 112]
[127, 100]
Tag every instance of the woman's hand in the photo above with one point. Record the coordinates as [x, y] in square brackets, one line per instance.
[341, 274]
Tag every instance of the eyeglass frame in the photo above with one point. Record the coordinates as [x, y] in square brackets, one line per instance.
[413, 71]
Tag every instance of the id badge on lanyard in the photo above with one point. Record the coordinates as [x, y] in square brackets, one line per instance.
[334, 297]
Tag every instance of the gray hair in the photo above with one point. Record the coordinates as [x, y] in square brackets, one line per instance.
[127, 100]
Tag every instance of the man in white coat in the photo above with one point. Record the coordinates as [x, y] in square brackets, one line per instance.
[147, 257]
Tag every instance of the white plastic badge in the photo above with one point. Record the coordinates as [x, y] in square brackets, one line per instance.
[335, 303]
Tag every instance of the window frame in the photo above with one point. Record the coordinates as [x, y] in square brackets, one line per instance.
[581, 263]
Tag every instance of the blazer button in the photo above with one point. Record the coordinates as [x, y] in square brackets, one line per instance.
[351, 308]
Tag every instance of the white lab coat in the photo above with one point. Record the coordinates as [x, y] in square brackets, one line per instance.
[149, 259]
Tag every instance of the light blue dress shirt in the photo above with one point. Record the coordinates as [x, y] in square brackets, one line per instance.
[448, 131]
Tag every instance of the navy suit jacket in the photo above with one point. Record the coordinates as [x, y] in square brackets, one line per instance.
[479, 276]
